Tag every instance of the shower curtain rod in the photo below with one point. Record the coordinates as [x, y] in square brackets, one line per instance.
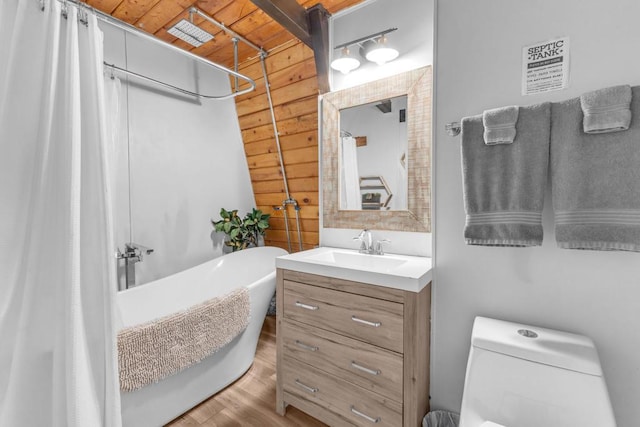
[131, 29]
[226, 29]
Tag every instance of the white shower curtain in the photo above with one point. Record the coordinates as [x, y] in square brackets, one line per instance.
[350, 196]
[57, 278]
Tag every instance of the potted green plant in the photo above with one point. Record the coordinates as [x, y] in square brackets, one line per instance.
[242, 232]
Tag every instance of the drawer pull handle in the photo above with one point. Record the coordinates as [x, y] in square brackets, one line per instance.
[306, 306]
[306, 387]
[365, 416]
[306, 346]
[366, 322]
[363, 369]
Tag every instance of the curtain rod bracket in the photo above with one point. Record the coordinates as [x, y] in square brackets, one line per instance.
[112, 70]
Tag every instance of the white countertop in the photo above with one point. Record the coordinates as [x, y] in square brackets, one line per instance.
[405, 272]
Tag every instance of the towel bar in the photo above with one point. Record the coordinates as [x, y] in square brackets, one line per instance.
[453, 128]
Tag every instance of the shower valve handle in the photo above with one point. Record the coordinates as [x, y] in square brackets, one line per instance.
[136, 248]
[133, 252]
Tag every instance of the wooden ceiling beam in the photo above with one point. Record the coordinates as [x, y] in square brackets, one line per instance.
[290, 14]
[311, 26]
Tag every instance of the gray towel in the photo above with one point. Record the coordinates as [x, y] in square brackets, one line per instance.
[504, 184]
[606, 110]
[595, 181]
[500, 125]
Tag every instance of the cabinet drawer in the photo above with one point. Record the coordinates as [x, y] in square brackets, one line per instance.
[368, 366]
[350, 402]
[372, 320]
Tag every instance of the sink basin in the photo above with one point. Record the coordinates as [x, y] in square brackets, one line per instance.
[405, 272]
[341, 258]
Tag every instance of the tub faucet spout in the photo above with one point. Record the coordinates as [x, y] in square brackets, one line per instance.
[132, 254]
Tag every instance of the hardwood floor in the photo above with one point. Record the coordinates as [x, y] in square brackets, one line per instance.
[251, 400]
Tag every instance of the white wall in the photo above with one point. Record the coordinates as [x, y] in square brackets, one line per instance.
[478, 60]
[414, 41]
[185, 157]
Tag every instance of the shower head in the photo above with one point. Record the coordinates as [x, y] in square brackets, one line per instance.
[190, 33]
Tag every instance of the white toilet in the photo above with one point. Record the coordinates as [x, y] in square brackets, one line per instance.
[524, 376]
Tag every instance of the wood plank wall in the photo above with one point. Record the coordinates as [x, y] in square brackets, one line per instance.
[294, 90]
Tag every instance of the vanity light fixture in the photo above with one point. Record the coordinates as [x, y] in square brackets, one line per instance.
[346, 63]
[374, 47]
[380, 52]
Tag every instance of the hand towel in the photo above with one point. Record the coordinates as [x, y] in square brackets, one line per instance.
[595, 180]
[504, 185]
[500, 125]
[606, 110]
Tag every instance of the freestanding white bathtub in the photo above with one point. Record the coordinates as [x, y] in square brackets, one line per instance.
[159, 403]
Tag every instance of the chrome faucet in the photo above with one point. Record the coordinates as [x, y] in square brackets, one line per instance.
[137, 250]
[366, 245]
[132, 254]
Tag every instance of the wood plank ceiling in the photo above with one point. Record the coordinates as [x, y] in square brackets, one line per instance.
[293, 81]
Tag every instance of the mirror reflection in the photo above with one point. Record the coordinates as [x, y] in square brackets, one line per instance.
[373, 156]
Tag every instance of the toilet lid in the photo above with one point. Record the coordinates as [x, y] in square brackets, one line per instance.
[548, 347]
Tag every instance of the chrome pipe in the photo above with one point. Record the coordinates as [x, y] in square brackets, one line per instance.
[176, 88]
[289, 200]
[235, 63]
[133, 30]
[297, 209]
[226, 29]
[286, 225]
[275, 126]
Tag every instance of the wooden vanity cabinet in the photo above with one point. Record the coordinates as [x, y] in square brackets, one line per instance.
[350, 353]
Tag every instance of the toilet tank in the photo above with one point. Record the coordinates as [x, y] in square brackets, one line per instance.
[525, 376]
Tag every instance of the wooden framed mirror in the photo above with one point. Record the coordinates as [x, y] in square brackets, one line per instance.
[416, 85]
